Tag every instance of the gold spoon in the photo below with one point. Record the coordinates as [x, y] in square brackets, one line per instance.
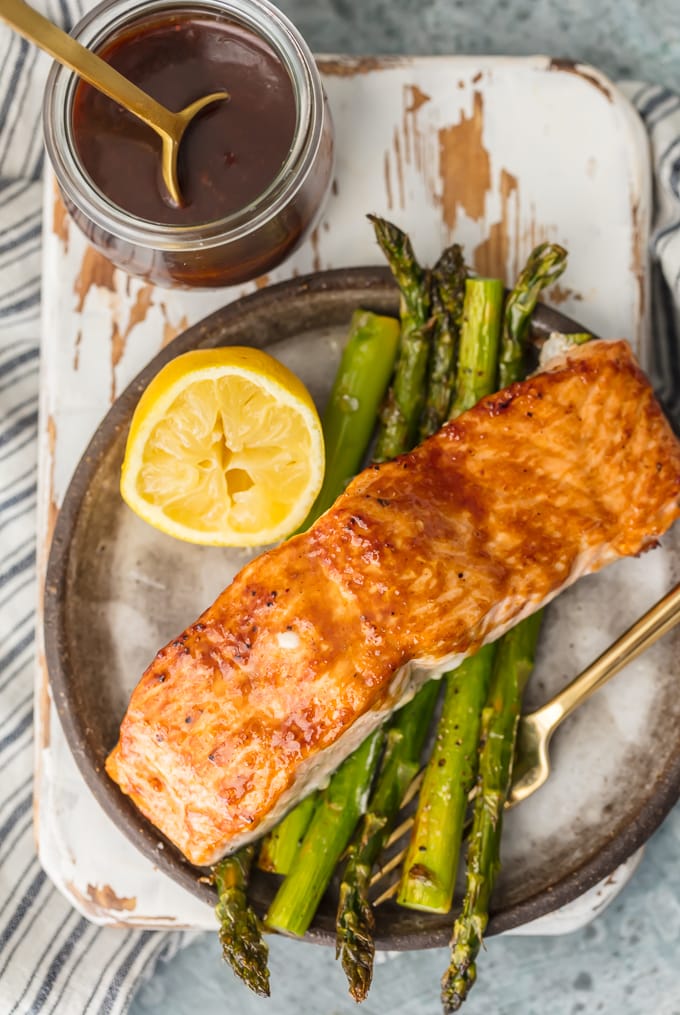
[170, 127]
[531, 767]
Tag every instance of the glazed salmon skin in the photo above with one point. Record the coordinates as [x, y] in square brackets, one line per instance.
[416, 565]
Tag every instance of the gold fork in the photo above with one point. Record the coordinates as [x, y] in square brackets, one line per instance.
[531, 766]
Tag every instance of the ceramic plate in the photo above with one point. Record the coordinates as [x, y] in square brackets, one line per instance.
[117, 590]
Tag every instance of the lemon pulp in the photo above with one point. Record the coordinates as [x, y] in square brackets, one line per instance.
[225, 447]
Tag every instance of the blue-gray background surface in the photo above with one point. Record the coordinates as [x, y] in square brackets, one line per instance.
[628, 960]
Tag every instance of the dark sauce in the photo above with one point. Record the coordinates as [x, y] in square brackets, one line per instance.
[230, 154]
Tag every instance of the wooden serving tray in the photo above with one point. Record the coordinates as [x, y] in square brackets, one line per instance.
[497, 153]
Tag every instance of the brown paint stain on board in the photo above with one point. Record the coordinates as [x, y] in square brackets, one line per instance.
[44, 701]
[60, 219]
[95, 271]
[416, 98]
[104, 896]
[570, 67]
[76, 349]
[101, 900]
[637, 262]
[492, 256]
[558, 294]
[388, 182]
[533, 234]
[349, 67]
[464, 165]
[150, 921]
[399, 166]
[316, 253]
[52, 510]
[171, 331]
[414, 139]
[262, 281]
[117, 350]
[137, 315]
[117, 345]
[139, 309]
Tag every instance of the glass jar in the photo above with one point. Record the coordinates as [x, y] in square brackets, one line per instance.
[229, 250]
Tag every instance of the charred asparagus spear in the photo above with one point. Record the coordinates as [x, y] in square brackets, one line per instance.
[365, 369]
[401, 412]
[334, 820]
[431, 861]
[366, 366]
[512, 669]
[513, 666]
[243, 946]
[448, 293]
[429, 870]
[544, 266]
[396, 435]
[355, 922]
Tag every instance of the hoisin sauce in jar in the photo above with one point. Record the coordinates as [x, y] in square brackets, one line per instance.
[231, 152]
[254, 171]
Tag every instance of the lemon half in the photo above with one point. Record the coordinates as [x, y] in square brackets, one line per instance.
[225, 448]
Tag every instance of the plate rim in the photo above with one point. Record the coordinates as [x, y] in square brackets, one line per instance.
[120, 809]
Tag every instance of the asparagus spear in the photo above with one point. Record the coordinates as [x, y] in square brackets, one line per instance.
[279, 847]
[544, 266]
[243, 946]
[514, 662]
[363, 375]
[430, 864]
[401, 412]
[429, 871]
[348, 421]
[396, 435]
[478, 352]
[448, 291]
[294, 905]
[355, 922]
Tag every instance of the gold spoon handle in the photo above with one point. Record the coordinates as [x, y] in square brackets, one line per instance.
[647, 630]
[63, 48]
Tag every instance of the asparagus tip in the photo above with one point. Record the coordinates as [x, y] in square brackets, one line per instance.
[355, 946]
[457, 982]
[240, 932]
[245, 950]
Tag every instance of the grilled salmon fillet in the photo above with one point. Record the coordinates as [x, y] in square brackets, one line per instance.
[416, 565]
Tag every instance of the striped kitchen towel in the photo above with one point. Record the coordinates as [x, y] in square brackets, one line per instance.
[51, 958]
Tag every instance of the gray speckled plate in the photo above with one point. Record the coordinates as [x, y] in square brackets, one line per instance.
[117, 590]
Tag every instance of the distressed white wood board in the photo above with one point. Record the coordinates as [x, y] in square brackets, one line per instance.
[496, 153]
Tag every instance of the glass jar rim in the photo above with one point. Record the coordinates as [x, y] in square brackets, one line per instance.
[274, 28]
